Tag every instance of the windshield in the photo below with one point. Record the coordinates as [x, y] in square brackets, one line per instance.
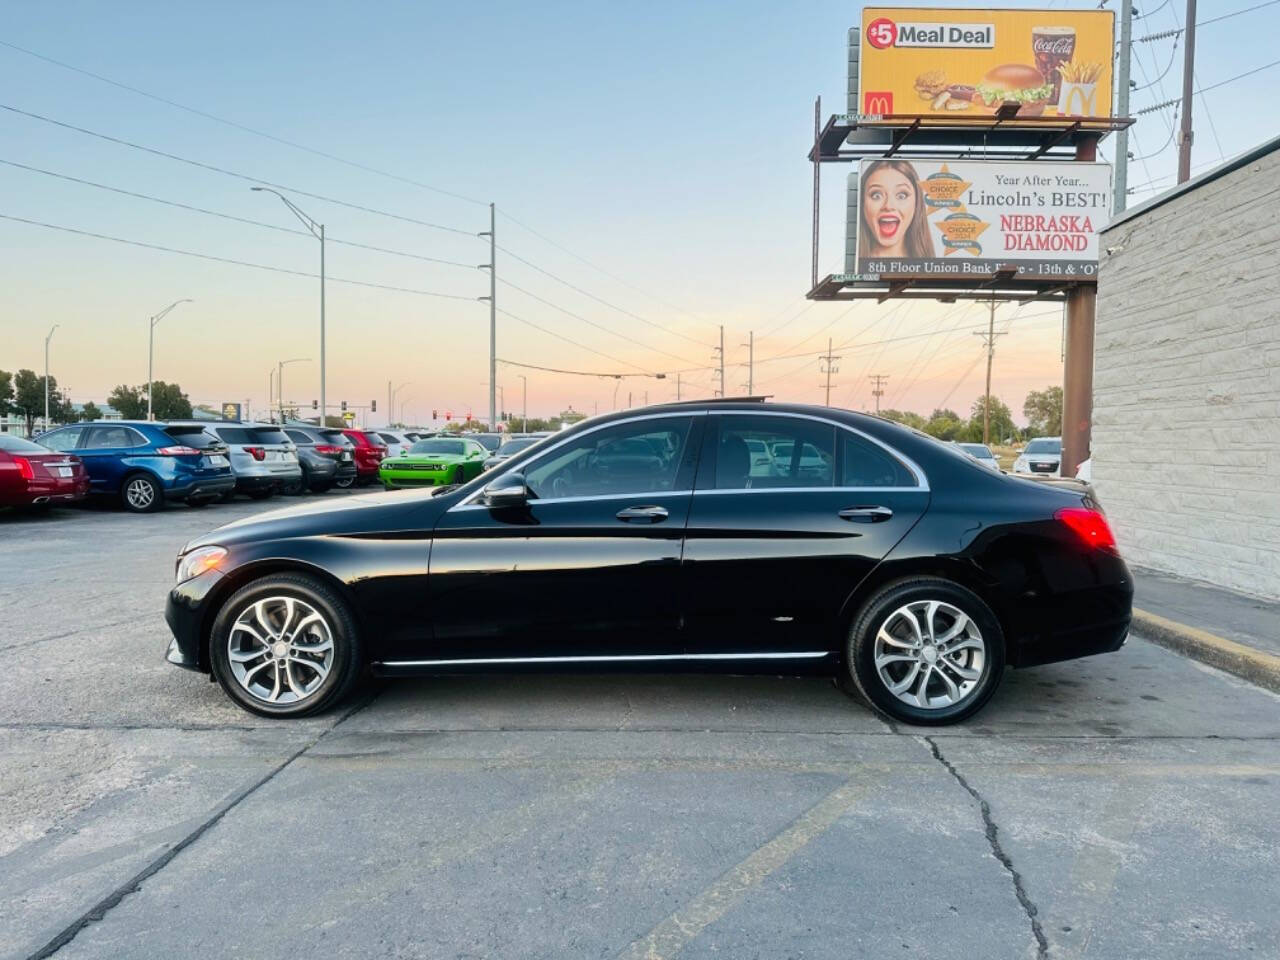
[1044, 445]
[446, 447]
[978, 450]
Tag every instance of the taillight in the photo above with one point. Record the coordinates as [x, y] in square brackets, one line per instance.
[258, 453]
[1090, 526]
[327, 448]
[181, 451]
[24, 468]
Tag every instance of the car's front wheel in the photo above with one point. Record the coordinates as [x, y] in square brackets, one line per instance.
[285, 646]
[926, 651]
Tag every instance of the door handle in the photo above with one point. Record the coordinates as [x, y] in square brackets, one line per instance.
[866, 514]
[642, 514]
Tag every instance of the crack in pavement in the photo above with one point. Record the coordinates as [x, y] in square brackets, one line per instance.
[104, 906]
[993, 838]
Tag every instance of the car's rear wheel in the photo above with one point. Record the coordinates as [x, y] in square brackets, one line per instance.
[342, 483]
[260, 494]
[285, 646]
[926, 651]
[141, 494]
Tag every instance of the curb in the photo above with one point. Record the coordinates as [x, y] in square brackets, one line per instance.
[1235, 658]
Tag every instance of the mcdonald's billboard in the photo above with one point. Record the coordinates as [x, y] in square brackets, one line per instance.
[944, 219]
[963, 64]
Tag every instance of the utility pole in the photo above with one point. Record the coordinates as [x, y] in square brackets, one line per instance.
[492, 267]
[879, 379]
[646, 398]
[524, 403]
[46, 375]
[1188, 81]
[720, 373]
[990, 339]
[830, 369]
[751, 362]
[391, 411]
[677, 388]
[1122, 107]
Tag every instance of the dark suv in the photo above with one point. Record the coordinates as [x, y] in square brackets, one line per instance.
[326, 456]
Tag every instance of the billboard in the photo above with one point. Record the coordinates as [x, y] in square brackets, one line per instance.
[962, 65]
[940, 219]
[231, 411]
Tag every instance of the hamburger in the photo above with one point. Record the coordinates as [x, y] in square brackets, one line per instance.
[1019, 82]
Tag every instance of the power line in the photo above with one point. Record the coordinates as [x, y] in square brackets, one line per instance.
[634, 316]
[228, 260]
[598, 326]
[1212, 86]
[231, 173]
[239, 126]
[228, 216]
[574, 373]
[1165, 34]
[580, 346]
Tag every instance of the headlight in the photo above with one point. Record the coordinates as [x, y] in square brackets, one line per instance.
[198, 561]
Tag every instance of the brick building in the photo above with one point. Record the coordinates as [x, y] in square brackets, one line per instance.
[1186, 409]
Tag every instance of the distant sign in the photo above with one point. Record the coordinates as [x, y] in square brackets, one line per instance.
[231, 411]
[963, 64]
[349, 417]
[965, 218]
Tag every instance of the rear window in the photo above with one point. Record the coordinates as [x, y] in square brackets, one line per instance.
[387, 437]
[235, 435]
[1044, 446]
[336, 437]
[268, 435]
[193, 436]
[515, 446]
[18, 445]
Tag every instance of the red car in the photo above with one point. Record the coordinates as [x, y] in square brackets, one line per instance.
[34, 475]
[369, 451]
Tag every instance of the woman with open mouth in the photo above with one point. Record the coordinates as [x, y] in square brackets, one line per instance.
[893, 213]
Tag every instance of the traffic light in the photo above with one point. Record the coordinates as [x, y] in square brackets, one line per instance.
[315, 404]
[448, 414]
[344, 406]
[373, 406]
[435, 414]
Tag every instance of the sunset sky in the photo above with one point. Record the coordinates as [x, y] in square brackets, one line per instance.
[657, 151]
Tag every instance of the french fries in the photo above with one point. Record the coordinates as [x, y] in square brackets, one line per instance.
[1080, 72]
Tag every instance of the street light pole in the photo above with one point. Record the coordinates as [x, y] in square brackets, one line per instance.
[524, 403]
[317, 231]
[151, 349]
[391, 402]
[46, 375]
[280, 380]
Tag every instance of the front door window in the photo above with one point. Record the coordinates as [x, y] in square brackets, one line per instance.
[633, 458]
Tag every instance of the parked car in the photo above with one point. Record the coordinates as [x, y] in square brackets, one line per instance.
[262, 458]
[395, 440]
[437, 462]
[144, 463]
[326, 457]
[369, 452]
[490, 441]
[33, 475]
[911, 572]
[1041, 457]
[982, 453]
[509, 449]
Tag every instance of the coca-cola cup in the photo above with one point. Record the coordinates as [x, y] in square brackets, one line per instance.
[1052, 46]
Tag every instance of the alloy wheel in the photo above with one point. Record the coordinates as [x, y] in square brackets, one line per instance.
[930, 654]
[141, 493]
[280, 649]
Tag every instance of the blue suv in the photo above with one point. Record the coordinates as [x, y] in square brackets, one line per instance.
[145, 463]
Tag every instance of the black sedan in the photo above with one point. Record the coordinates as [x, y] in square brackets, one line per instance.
[731, 535]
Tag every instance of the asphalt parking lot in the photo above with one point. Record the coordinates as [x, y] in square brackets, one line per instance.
[1117, 807]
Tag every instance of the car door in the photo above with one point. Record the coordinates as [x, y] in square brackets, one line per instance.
[103, 450]
[588, 567]
[775, 544]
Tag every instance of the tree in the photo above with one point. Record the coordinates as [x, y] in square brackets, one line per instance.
[905, 417]
[945, 424]
[28, 398]
[1043, 410]
[168, 402]
[90, 411]
[6, 392]
[1001, 420]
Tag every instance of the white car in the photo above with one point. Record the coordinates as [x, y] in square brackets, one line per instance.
[397, 442]
[1041, 457]
[1085, 471]
[982, 453]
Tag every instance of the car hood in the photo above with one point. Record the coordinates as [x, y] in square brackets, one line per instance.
[446, 458]
[415, 510]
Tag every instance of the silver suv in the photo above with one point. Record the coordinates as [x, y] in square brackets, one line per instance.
[263, 459]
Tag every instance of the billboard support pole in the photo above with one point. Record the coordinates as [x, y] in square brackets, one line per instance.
[1077, 367]
[1122, 107]
[817, 167]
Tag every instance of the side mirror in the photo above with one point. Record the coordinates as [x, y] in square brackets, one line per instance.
[508, 490]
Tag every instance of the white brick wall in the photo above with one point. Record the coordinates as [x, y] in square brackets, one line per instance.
[1186, 408]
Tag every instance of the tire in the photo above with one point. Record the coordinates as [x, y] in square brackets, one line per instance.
[959, 676]
[261, 494]
[293, 488]
[140, 493]
[344, 483]
[300, 688]
[227, 497]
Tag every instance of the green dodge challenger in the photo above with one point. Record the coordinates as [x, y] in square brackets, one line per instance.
[435, 462]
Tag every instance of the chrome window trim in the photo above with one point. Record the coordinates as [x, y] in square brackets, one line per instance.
[651, 494]
[556, 446]
[731, 490]
[638, 658]
[892, 451]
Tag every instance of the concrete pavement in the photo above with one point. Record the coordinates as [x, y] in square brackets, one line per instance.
[1120, 806]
